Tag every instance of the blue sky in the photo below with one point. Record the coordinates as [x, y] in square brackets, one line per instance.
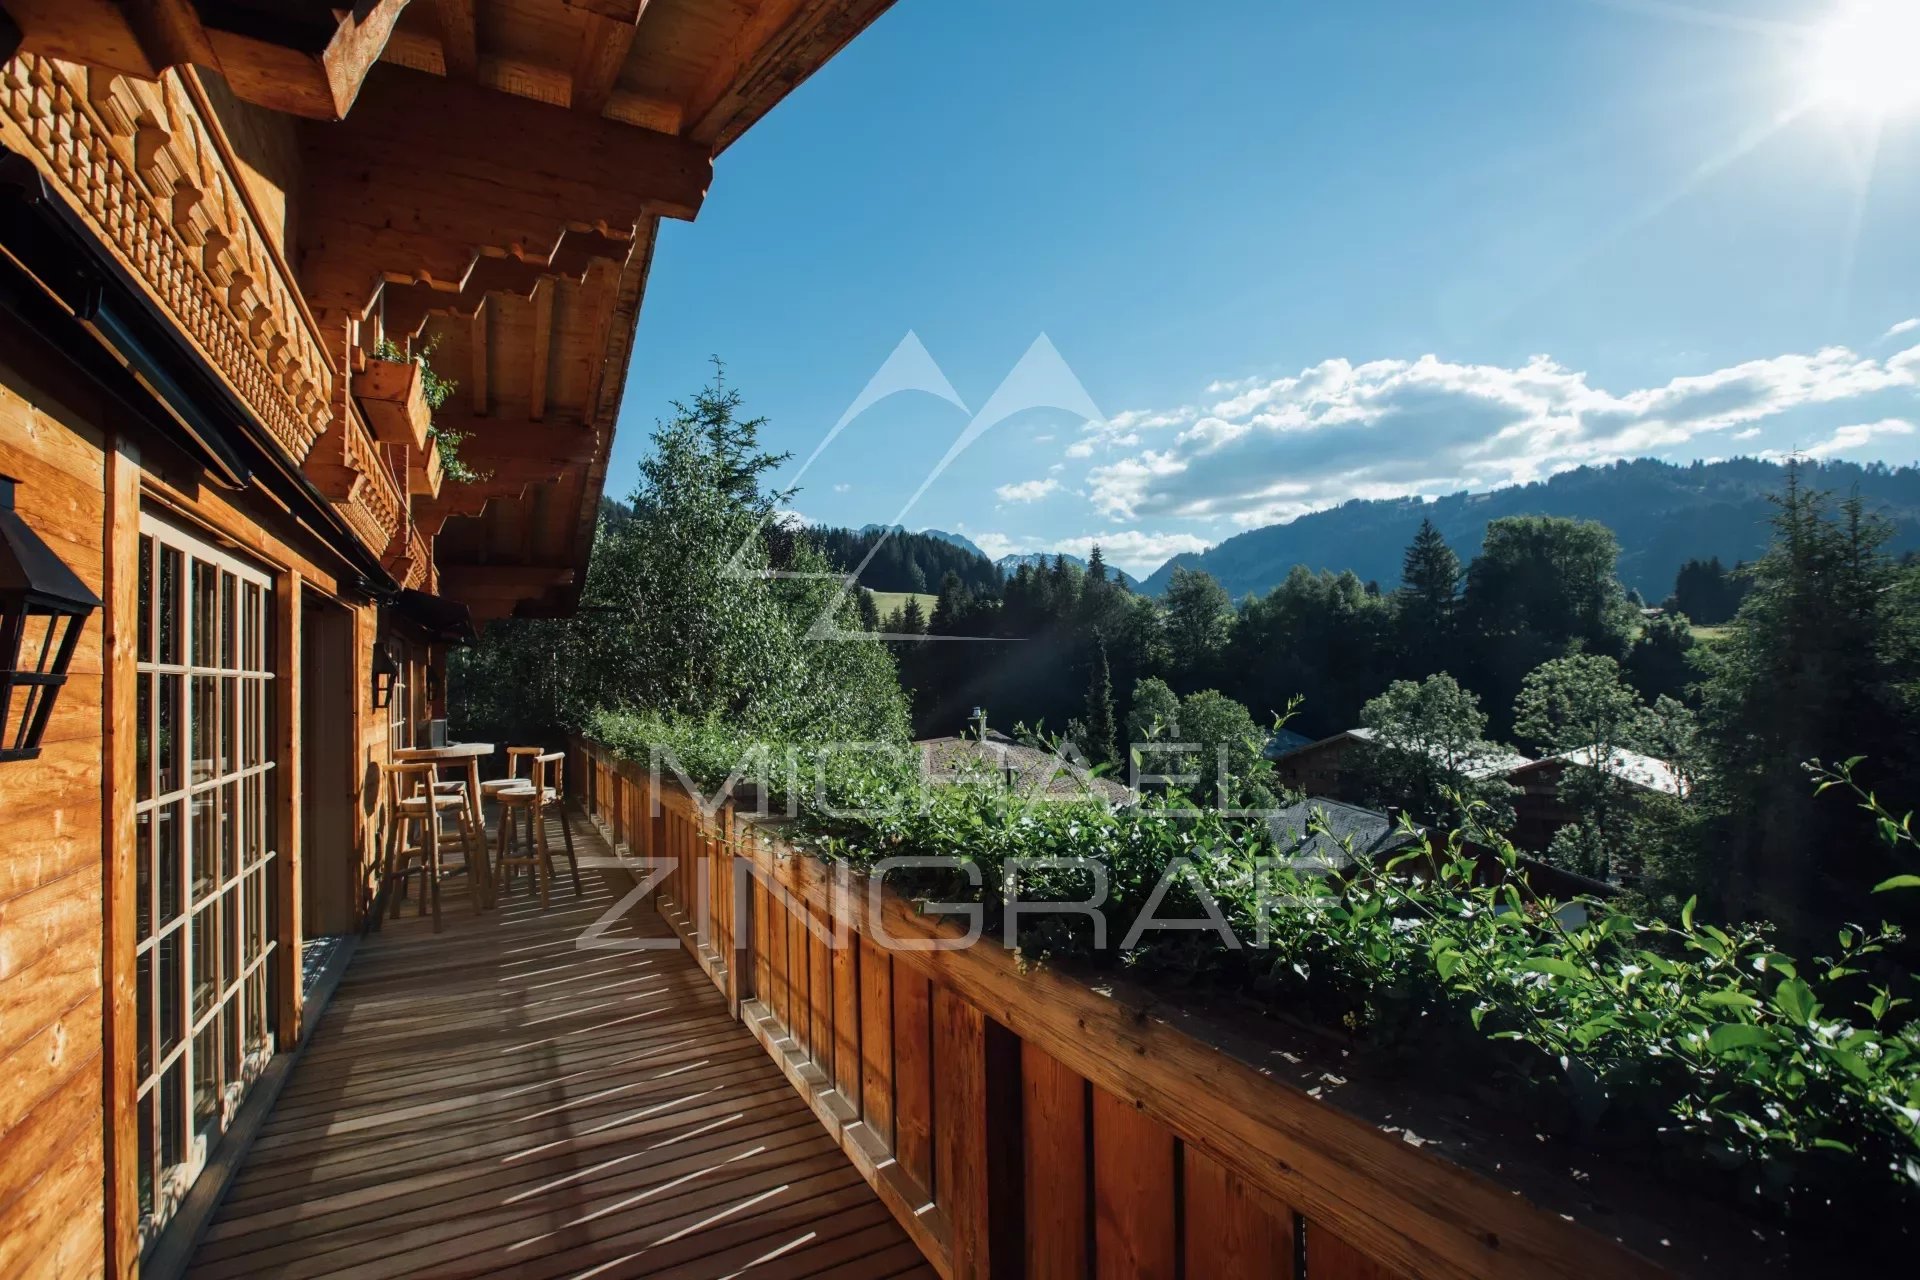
[1300, 252]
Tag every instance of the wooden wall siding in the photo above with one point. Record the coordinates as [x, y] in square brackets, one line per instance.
[1024, 1123]
[52, 1007]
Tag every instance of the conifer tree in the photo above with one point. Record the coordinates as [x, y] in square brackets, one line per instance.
[1429, 594]
[914, 620]
[1102, 746]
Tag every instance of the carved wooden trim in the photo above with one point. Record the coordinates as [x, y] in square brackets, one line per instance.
[142, 167]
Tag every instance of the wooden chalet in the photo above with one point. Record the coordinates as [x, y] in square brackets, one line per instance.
[214, 219]
[232, 561]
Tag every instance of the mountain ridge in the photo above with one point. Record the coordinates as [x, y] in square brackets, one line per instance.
[1663, 514]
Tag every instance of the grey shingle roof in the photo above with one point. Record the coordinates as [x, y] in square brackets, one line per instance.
[1340, 831]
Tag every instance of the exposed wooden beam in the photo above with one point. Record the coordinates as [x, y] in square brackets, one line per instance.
[779, 45]
[428, 172]
[503, 581]
[477, 382]
[420, 51]
[407, 306]
[604, 43]
[459, 38]
[538, 375]
[304, 57]
[171, 32]
[706, 114]
[627, 11]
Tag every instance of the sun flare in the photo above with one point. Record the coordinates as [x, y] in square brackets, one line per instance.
[1866, 58]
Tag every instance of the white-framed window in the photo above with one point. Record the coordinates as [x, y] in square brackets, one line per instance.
[400, 707]
[204, 850]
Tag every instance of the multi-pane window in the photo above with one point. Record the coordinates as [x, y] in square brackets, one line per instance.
[204, 840]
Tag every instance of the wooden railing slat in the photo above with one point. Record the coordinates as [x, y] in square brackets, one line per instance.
[1055, 1136]
[876, 1039]
[1233, 1231]
[1134, 1198]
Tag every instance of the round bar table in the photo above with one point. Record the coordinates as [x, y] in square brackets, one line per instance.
[455, 753]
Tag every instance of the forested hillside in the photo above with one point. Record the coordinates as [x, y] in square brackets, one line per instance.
[1664, 515]
[903, 561]
[1010, 565]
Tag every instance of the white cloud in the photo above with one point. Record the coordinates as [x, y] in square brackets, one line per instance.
[1748, 434]
[791, 519]
[1137, 552]
[843, 488]
[1027, 490]
[1279, 448]
[1859, 435]
[1905, 326]
[995, 544]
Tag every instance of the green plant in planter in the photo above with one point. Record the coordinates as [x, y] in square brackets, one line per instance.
[434, 390]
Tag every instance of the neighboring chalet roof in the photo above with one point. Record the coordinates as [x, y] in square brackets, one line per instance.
[1283, 743]
[1629, 766]
[1327, 833]
[1492, 765]
[1026, 769]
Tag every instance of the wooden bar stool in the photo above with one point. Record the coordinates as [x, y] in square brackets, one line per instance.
[416, 836]
[530, 798]
[516, 756]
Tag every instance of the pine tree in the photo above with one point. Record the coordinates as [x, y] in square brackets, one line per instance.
[1096, 565]
[869, 611]
[1429, 586]
[1102, 746]
[953, 605]
[914, 620]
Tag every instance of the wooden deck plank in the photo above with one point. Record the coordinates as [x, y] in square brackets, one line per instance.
[491, 1100]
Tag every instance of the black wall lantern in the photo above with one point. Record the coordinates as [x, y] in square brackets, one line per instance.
[385, 672]
[43, 606]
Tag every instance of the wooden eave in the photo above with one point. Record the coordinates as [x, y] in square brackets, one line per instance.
[483, 178]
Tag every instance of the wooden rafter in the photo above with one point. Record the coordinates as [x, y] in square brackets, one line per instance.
[505, 173]
[477, 384]
[607, 29]
[542, 367]
[459, 37]
[304, 57]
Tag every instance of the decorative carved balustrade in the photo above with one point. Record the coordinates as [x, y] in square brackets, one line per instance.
[155, 184]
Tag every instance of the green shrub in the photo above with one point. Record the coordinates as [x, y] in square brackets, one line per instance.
[1799, 1080]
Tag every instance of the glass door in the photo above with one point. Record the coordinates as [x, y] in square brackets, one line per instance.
[204, 842]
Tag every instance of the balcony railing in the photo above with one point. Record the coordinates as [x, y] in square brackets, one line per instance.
[1020, 1121]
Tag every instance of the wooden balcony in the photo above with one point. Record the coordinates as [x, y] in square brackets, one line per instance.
[491, 1099]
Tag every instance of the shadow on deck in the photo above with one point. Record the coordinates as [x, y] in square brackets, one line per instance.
[493, 1101]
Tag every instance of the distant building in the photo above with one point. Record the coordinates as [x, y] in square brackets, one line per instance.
[1284, 743]
[994, 757]
[1323, 768]
[1322, 834]
[1539, 811]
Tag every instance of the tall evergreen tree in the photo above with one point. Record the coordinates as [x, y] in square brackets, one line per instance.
[913, 621]
[1427, 603]
[1096, 565]
[1102, 745]
[1814, 666]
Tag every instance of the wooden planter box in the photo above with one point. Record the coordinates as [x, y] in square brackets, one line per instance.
[391, 396]
[1014, 1116]
[425, 472]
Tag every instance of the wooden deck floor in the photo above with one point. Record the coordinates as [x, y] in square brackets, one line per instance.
[492, 1101]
